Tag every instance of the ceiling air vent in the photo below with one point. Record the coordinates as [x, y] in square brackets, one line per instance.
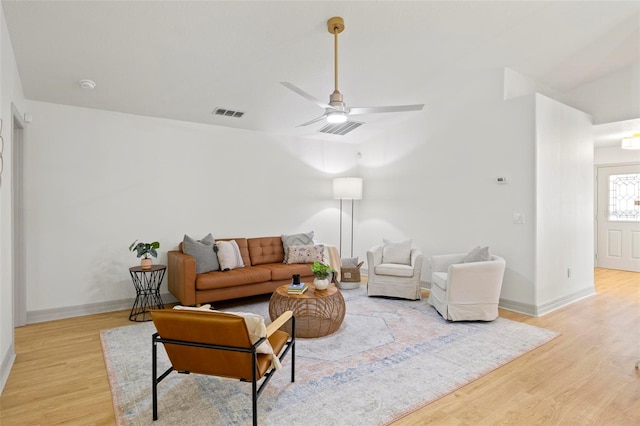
[228, 112]
[341, 128]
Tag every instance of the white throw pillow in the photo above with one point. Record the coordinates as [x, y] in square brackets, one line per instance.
[397, 252]
[206, 307]
[229, 255]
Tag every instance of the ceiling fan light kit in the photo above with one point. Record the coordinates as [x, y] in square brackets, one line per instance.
[632, 142]
[335, 117]
[336, 110]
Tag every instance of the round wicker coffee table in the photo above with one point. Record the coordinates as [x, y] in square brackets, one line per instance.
[318, 312]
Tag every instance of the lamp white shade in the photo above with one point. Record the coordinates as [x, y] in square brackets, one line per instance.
[347, 188]
[632, 142]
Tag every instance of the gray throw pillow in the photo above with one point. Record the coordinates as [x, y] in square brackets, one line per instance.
[203, 251]
[478, 254]
[304, 239]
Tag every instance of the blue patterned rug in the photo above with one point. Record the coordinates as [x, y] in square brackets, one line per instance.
[389, 357]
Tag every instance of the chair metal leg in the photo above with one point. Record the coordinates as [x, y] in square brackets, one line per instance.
[154, 375]
[293, 349]
[254, 388]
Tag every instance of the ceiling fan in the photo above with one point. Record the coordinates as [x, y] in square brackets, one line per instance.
[336, 110]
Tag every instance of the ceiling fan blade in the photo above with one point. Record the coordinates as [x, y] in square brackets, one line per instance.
[315, 120]
[379, 109]
[304, 94]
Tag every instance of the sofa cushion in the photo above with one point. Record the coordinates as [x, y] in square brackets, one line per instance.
[305, 254]
[204, 252]
[296, 240]
[284, 271]
[394, 270]
[265, 250]
[397, 252]
[229, 255]
[478, 254]
[235, 277]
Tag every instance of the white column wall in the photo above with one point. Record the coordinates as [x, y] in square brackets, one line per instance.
[564, 204]
[10, 92]
[433, 179]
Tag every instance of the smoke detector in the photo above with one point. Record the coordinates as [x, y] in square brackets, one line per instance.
[88, 84]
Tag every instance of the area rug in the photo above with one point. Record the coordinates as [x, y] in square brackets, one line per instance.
[389, 357]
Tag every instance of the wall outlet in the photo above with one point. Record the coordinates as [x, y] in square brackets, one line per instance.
[518, 218]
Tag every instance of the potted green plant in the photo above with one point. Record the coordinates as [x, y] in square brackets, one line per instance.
[322, 275]
[145, 251]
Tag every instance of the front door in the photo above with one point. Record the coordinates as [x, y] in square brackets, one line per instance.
[618, 217]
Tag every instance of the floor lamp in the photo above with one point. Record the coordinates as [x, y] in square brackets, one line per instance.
[347, 188]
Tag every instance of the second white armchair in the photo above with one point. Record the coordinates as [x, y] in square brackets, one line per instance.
[393, 275]
[466, 291]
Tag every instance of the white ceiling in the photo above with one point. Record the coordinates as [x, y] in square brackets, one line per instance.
[182, 59]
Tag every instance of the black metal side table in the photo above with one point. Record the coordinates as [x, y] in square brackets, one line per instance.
[147, 283]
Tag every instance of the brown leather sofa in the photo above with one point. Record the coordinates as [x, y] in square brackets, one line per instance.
[264, 271]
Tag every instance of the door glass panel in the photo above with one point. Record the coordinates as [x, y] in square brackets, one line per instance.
[624, 197]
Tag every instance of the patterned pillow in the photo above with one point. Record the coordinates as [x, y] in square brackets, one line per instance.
[229, 255]
[295, 240]
[305, 254]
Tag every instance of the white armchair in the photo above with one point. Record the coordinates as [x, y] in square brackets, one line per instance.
[394, 279]
[466, 291]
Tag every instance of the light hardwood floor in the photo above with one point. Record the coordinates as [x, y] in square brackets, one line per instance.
[584, 377]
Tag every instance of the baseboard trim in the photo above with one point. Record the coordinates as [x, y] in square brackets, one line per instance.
[89, 309]
[538, 311]
[7, 364]
[519, 307]
[564, 301]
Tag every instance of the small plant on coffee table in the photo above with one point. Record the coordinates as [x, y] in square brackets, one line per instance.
[320, 270]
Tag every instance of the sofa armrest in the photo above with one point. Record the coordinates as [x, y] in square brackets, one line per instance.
[182, 277]
[417, 258]
[374, 257]
[332, 258]
[475, 282]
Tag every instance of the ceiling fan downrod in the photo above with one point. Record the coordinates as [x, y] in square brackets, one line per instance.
[335, 26]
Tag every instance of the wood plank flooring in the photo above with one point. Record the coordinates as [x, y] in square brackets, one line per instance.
[584, 377]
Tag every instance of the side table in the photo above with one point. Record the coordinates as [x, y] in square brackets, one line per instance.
[318, 312]
[147, 283]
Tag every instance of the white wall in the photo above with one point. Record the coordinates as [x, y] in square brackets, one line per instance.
[10, 92]
[564, 204]
[97, 180]
[615, 155]
[611, 98]
[433, 179]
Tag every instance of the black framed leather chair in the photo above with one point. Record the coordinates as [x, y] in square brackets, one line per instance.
[221, 344]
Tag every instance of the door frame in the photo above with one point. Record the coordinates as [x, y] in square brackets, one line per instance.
[18, 267]
[596, 200]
